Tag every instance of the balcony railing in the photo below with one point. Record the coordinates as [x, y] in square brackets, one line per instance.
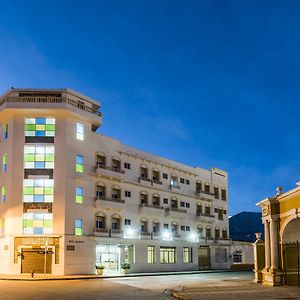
[43, 99]
[178, 209]
[204, 215]
[151, 206]
[119, 200]
[104, 230]
[114, 169]
[173, 186]
[149, 180]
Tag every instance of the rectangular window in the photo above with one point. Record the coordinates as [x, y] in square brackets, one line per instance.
[182, 204]
[37, 223]
[166, 226]
[167, 255]
[182, 228]
[78, 227]
[151, 254]
[127, 222]
[79, 164]
[5, 131]
[3, 193]
[80, 131]
[165, 176]
[216, 192]
[38, 190]
[166, 201]
[79, 194]
[187, 181]
[181, 180]
[187, 228]
[127, 194]
[40, 127]
[223, 194]
[186, 255]
[4, 162]
[187, 205]
[38, 157]
[127, 166]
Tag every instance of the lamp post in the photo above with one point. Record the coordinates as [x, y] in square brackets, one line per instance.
[45, 260]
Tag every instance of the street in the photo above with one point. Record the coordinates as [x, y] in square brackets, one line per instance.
[228, 285]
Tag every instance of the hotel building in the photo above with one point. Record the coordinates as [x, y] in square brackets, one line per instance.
[72, 198]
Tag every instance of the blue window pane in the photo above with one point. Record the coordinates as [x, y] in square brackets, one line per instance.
[38, 230]
[40, 133]
[78, 223]
[39, 165]
[79, 191]
[40, 121]
[79, 159]
[38, 198]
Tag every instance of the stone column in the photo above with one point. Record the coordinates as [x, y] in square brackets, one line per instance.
[274, 245]
[267, 246]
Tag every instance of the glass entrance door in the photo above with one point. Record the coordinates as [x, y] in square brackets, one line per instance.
[109, 257]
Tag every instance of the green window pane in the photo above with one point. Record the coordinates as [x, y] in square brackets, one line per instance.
[79, 168]
[79, 199]
[78, 231]
[48, 191]
[48, 223]
[28, 190]
[49, 157]
[29, 157]
[50, 127]
[30, 127]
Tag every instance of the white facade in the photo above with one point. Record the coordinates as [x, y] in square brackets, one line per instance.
[128, 205]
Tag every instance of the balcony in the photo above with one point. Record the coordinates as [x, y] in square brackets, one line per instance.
[145, 235]
[109, 172]
[101, 232]
[205, 195]
[148, 181]
[109, 202]
[153, 210]
[205, 217]
[176, 212]
[116, 233]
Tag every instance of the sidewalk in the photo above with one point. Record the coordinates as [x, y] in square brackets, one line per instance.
[27, 277]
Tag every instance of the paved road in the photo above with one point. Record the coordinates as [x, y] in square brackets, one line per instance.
[196, 286]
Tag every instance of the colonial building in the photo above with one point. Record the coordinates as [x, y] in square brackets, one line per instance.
[280, 216]
[72, 198]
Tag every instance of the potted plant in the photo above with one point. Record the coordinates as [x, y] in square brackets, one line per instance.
[99, 269]
[125, 267]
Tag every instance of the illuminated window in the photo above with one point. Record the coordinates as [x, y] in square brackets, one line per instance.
[79, 131]
[4, 162]
[37, 223]
[151, 254]
[78, 227]
[167, 255]
[38, 190]
[187, 255]
[3, 194]
[40, 127]
[39, 157]
[79, 163]
[79, 194]
[5, 131]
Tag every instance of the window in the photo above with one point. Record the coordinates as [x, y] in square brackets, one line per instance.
[223, 194]
[198, 187]
[166, 201]
[216, 192]
[127, 222]
[5, 131]
[187, 255]
[199, 209]
[100, 223]
[78, 227]
[182, 204]
[39, 157]
[217, 233]
[174, 182]
[127, 166]
[221, 255]
[237, 256]
[182, 228]
[127, 194]
[187, 205]
[40, 127]
[3, 193]
[207, 210]
[4, 162]
[166, 226]
[181, 180]
[224, 233]
[151, 254]
[208, 232]
[165, 176]
[79, 163]
[207, 188]
[37, 223]
[187, 181]
[187, 228]
[167, 255]
[79, 194]
[38, 190]
[80, 131]
[220, 214]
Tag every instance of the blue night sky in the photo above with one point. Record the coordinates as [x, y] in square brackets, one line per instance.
[206, 83]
